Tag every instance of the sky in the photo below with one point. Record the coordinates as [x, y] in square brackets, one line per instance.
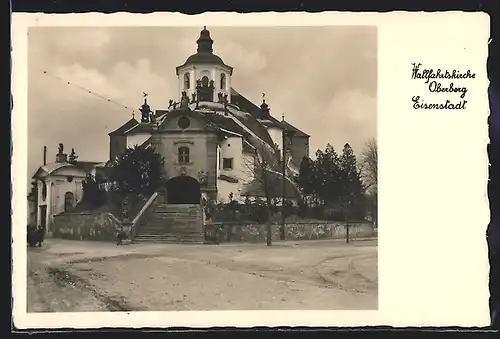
[323, 79]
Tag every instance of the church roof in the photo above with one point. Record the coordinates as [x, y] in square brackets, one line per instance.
[290, 127]
[274, 183]
[160, 112]
[225, 123]
[140, 128]
[246, 105]
[125, 127]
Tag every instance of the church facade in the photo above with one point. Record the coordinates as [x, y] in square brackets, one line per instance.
[215, 135]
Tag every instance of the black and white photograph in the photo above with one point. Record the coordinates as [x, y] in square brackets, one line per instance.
[202, 168]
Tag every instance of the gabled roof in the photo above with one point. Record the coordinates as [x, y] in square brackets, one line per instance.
[125, 127]
[160, 112]
[290, 127]
[250, 107]
[140, 128]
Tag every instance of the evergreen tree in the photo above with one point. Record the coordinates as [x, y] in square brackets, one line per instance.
[306, 176]
[351, 188]
[327, 181]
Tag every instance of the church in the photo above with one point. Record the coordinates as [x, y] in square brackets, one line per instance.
[216, 143]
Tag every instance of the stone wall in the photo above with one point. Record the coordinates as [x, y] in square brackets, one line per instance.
[87, 226]
[296, 231]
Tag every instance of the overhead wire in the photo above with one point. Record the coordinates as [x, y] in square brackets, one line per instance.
[47, 73]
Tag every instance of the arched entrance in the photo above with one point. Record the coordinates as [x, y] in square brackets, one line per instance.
[69, 201]
[183, 190]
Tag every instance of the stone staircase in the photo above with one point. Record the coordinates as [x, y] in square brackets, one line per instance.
[173, 224]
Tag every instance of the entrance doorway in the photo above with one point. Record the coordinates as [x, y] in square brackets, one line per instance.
[183, 190]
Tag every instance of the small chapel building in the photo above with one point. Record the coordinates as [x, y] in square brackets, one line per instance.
[58, 186]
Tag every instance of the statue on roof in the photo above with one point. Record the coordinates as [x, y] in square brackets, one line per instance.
[184, 100]
[73, 157]
[225, 98]
[170, 103]
[145, 110]
[60, 149]
[212, 83]
[221, 100]
[193, 98]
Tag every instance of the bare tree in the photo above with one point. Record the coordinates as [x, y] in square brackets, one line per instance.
[263, 181]
[369, 173]
[369, 165]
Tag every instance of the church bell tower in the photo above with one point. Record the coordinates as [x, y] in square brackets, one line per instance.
[204, 75]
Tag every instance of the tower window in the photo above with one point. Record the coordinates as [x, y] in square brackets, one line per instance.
[204, 81]
[183, 153]
[222, 81]
[227, 163]
[187, 81]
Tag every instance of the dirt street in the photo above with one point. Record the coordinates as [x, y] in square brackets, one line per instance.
[65, 276]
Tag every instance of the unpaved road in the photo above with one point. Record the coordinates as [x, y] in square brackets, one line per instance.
[65, 276]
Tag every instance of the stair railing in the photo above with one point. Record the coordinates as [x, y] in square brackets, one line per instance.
[141, 218]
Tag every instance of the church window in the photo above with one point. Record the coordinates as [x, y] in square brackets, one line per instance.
[227, 163]
[183, 155]
[183, 122]
[204, 81]
[187, 81]
[222, 81]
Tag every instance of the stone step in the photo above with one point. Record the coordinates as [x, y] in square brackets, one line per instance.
[170, 231]
[163, 223]
[174, 218]
[172, 228]
[163, 214]
[176, 208]
[171, 238]
[164, 241]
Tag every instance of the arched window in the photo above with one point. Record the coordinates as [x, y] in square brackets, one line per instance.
[183, 155]
[223, 81]
[69, 201]
[204, 81]
[187, 81]
[44, 190]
